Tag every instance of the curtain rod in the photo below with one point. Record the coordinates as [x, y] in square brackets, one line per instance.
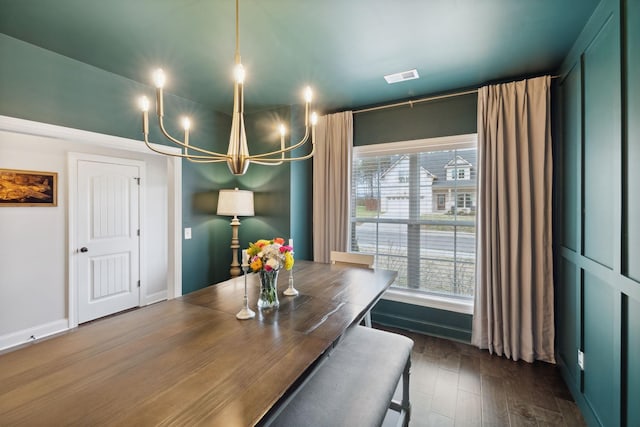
[417, 101]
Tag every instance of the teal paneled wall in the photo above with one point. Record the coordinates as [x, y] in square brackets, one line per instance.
[600, 377]
[633, 350]
[633, 137]
[570, 152]
[597, 289]
[445, 117]
[567, 302]
[601, 69]
[632, 193]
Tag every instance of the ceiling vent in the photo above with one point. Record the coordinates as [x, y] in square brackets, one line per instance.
[402, 76]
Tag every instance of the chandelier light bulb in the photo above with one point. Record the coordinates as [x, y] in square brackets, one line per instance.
[144, 103]
[159, 78]
[308, 94]
[282, 129]
[239, 74]
[186, 123]
[314, 118]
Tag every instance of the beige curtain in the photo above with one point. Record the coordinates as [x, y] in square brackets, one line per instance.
[513, 314]
[331, 183]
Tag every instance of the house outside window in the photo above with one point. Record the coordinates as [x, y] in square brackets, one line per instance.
[422, 226]
[458, 168]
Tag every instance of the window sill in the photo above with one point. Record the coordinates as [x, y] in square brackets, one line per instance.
[431, 301]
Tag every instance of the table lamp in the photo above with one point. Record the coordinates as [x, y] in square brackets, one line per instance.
[235, 203]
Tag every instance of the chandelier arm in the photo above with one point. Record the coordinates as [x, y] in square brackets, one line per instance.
[305, 157]
[286, 159]
[192, 160]
[266, 162]
[283, 150]
[197, 159]
[223, 157]
[275, 162]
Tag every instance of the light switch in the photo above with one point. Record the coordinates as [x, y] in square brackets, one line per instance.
[187, 233]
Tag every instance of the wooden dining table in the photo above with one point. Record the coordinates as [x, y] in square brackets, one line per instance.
[188, 361]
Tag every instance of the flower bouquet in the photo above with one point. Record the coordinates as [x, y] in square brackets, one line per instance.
[267, 257]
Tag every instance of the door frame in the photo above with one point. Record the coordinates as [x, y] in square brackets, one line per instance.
[72, 160]
[174, 218]
[174, 221]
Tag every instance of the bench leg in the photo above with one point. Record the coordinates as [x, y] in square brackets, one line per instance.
[404, 406]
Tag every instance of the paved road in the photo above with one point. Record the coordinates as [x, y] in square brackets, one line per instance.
[395, 236]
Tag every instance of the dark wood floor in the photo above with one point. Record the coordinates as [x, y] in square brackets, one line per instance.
[454, 384]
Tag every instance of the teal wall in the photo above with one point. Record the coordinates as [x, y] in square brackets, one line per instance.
[426, 320]
[301, 192]
[597, 150]
[451, 116]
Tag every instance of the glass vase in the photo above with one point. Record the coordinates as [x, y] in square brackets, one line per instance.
[268, 289]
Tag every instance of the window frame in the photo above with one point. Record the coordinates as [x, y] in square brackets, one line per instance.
[456, 142]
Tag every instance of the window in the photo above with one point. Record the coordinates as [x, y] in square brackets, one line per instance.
[464, 201]
[423, 226]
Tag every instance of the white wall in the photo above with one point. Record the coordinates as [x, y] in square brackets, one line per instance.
[33, 240]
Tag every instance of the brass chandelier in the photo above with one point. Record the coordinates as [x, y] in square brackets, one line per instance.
[237, 157]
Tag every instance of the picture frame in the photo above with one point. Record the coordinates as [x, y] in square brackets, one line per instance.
[28, 188]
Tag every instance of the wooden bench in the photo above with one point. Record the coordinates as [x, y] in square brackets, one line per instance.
[355, 384]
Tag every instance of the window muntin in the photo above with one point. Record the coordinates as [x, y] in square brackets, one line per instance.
[424, 225]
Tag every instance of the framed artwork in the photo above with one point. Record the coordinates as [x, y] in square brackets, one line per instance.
[28, 188]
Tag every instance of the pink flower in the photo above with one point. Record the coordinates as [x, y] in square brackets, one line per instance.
[285, 248]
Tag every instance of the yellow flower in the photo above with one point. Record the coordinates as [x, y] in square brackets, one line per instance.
[288, 261]
[256, 264]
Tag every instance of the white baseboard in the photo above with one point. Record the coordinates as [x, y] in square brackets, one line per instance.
[33, 334]
[155, 297]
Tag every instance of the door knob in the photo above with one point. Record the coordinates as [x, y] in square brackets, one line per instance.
[84, 249]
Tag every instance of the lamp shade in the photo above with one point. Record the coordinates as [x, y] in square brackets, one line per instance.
[235, 203]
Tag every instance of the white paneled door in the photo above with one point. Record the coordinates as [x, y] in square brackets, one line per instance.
[108, 252]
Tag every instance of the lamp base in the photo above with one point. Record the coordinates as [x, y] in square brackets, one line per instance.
[235, 270]
[245, 313]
